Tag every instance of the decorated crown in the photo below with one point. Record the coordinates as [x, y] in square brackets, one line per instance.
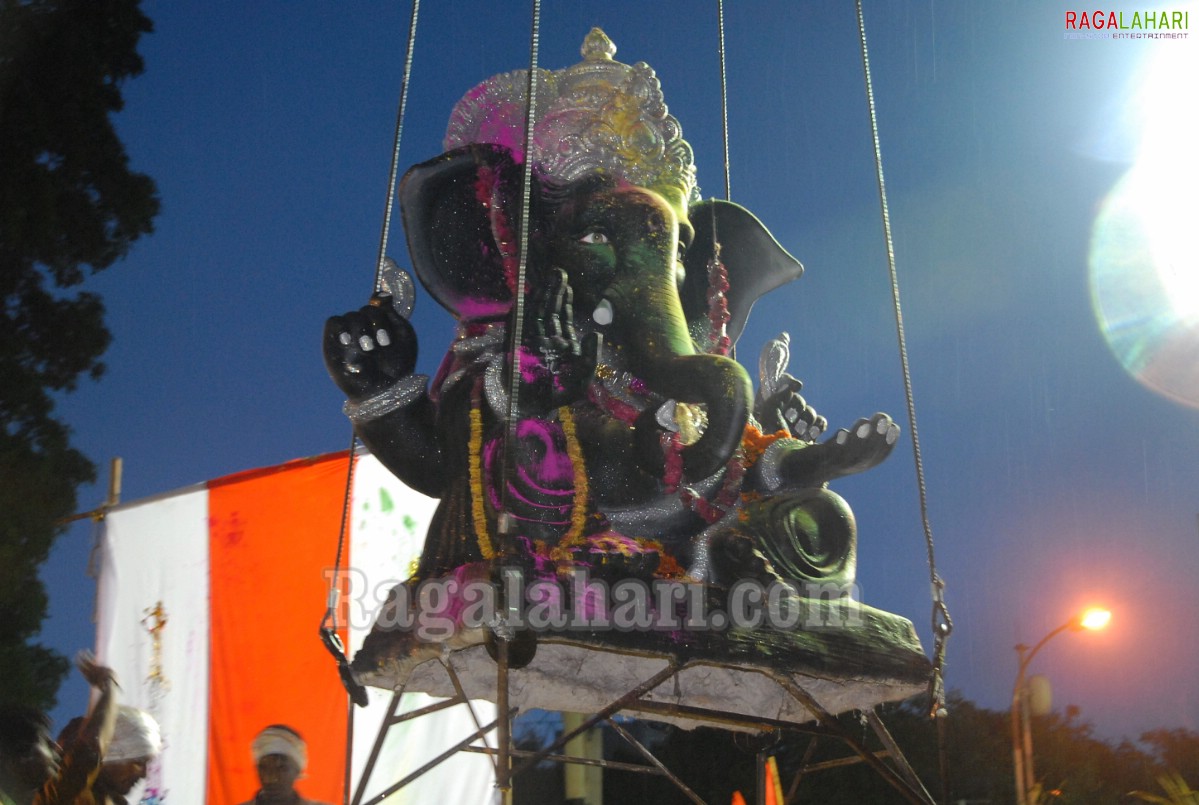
[599, 116]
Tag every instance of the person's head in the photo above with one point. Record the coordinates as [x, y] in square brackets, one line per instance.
[28, 757]
[281, 756]
[135, 742]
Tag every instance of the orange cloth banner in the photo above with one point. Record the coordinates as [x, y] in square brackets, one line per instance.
[272, 534]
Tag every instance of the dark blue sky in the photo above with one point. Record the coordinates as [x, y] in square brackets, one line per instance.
[1055, 479]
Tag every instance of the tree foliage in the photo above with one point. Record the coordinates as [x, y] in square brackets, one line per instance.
[1177, 750]
[69, 206]
[1177, 792]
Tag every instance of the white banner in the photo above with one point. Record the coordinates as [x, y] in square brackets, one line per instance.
[153, 631]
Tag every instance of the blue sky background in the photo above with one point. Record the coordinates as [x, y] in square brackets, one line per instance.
[1055, 479]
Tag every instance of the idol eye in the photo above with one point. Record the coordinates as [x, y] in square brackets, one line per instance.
[682, 251]
[594, 236]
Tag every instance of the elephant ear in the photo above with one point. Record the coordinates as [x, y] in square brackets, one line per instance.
[755, 262]
[458, 212]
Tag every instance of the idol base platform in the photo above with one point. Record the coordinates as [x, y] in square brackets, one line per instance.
[741, 679]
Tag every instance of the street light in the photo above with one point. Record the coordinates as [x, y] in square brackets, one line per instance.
[1091, 619]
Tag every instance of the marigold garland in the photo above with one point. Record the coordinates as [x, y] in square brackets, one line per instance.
[477, 509]
[578, 511]
[754, 442]
[668, 566]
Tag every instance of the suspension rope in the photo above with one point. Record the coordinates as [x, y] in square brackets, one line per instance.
[941, 622]
[329, 623]
[518, 303]
[724, 104]
[393, 174]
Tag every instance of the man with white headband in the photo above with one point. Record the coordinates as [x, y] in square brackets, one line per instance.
[281, 757]
[136, 741]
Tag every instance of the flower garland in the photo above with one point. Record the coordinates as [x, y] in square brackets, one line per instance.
[563, 557]
[672, 476]
[754, 442]
[726, 497]
[578, 508]
[730, 487]
[477, 508]
[668, 566]
[719, 342]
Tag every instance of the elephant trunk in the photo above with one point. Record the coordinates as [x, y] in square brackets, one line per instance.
[656, 346]
[647, 326]
[723, 387]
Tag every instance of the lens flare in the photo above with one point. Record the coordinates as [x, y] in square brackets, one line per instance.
[1144, 270]
[1144, 250]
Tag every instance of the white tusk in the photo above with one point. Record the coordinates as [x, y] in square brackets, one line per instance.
[603, 313]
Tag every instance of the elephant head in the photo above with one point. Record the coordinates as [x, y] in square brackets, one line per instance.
[636, 259]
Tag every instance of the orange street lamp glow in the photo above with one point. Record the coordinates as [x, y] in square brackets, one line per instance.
[1092, 619]
[1095, 619]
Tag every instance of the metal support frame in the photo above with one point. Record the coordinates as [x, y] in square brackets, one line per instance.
[900, 775]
